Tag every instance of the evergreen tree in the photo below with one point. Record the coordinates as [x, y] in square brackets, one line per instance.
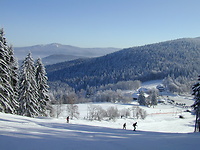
[196, 105]
[154, 100]
[13, 63]
[142, 99]
[41, 79]
[8, 101]
[28, 89]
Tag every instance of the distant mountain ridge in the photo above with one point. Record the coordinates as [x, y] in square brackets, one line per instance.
[57, 58]
[149, 62]
[59, 49]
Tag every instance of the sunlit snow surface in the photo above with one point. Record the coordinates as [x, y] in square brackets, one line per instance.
[162, 129]
[22, 133]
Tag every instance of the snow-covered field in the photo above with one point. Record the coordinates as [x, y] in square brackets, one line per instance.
[162, 118]
[162, 129]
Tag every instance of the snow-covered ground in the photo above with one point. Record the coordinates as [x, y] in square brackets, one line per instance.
[162, 129]
[162, 118]
[23, 133]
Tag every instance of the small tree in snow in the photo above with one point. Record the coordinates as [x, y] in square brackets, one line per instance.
[112, 113]
[125, 113]
[96, 112]
[139, 112]
[59, 104]
[142, 99]
[153, 97]
[72, 110]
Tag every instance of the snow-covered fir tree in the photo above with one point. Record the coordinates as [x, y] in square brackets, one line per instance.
[153, 98]
[14, 74]
[196, 105]
[41, 79]
[8, 90]
[142, 99]
[28, 89]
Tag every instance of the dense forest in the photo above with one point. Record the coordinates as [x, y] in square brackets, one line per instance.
[176, 58]
[23, 91]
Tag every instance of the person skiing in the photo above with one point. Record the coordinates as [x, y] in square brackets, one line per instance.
[134, 125]
[124, 126]
[67, 119]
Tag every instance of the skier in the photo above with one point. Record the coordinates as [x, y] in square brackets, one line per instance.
[124, 126]
[67, 119]
[134, 125]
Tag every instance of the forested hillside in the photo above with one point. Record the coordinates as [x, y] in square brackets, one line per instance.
[155, 61]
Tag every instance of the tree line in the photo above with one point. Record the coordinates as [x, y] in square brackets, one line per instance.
[96, 112]
[24, 90]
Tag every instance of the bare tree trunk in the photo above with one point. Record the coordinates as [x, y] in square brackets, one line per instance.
[197, 124]
[195, 127]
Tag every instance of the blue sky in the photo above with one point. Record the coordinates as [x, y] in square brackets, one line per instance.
[98, 23]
